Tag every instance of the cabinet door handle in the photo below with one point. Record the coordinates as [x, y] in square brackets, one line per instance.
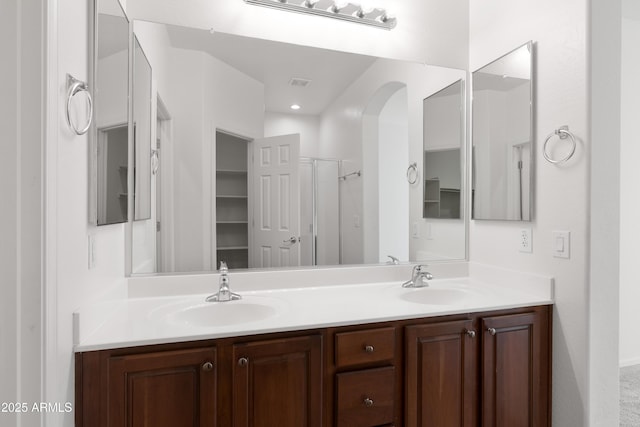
[369, 348]
[243, 361]
[492, 331]
[207, 366]
[471, 333]
[368, 402]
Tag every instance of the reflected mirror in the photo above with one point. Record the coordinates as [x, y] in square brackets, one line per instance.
[276, 155]
[502, 138]
[110, 132]
[443, 141]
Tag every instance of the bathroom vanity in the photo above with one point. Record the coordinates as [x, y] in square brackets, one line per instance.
[454, 354]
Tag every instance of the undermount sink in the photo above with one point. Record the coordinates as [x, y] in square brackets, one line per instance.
[216, 314]
[438, 296]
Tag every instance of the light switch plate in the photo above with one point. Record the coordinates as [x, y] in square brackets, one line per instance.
[561, 243]
[415, 230]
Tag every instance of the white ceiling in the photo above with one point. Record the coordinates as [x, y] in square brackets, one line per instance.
[275, 63]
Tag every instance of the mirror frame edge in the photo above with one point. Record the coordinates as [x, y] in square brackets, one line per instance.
[531, 44]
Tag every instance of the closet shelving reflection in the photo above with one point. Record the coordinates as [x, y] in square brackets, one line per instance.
[232, 236]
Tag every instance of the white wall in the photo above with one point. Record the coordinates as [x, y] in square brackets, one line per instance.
[422, 26]
[69, 282]
[604, 263]
[562, 194]
[21, 218]
[111, 94]
[306, 125]
[629, 200]
[393, 191]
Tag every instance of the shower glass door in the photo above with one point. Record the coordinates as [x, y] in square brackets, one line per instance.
[319, 212]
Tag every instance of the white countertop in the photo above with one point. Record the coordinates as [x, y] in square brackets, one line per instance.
[140, 320]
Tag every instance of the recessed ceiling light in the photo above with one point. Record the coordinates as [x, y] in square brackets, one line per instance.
[295, 107]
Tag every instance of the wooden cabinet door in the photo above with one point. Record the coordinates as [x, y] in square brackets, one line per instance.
[278, 383]
[515, 370]
[441, 377]
[163, 389]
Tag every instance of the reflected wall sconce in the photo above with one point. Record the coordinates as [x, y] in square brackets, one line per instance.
[351, 12]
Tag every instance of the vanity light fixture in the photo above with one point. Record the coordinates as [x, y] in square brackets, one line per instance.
[351, 12]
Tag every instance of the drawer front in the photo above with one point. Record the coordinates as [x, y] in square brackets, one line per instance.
[364, 347]
[365, 398]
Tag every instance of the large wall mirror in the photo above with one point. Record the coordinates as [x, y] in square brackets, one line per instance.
[271, 155]
[110, 131]
[274, 155]
[502, 138]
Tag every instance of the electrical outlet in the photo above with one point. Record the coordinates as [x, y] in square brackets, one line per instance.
[525, 240]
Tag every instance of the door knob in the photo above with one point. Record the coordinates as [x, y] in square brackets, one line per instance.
[291, 240]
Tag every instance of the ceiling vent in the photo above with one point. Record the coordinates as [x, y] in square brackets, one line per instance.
[298, 82]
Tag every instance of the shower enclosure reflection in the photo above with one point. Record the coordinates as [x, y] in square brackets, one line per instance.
[319, 212]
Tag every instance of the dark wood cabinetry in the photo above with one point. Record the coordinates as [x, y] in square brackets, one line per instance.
[366, 381]
[515, 370]
[489, 371]
[160, 389]
[441, 380]
[278, 383]
[485, 369]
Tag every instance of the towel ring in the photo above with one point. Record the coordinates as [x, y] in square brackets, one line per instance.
[562, 133]
[412, 173]
[76, 86]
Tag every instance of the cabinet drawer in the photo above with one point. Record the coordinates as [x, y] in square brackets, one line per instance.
[363, 347]
[365, 398]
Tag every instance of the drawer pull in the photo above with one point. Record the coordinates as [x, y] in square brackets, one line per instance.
[471, 333]
[492, 331]
[368, 402]
[369, 349]
[207, 366]
[243, 361]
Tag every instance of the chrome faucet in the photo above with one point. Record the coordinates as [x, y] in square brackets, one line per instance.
[393, 260]
[419, 277]
[224, 293]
